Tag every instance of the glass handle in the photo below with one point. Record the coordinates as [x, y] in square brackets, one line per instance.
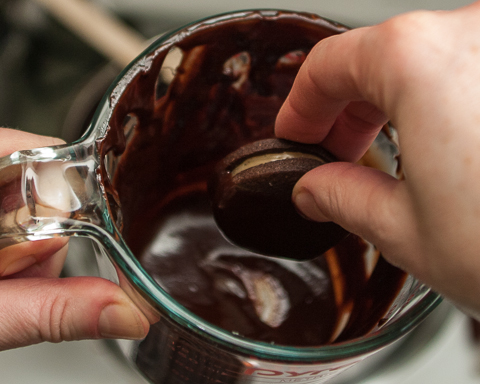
[49, 192]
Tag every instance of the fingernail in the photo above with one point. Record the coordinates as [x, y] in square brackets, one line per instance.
[18, 265]
[307, 206]
[120, 321]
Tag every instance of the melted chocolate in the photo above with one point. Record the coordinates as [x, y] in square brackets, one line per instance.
[257, 297]
[254, 209]
[233, 77]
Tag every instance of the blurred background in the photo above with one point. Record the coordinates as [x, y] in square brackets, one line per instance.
[45, 66]
[52, 76]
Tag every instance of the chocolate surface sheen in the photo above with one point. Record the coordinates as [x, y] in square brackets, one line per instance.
[252, 205]
[165, 139]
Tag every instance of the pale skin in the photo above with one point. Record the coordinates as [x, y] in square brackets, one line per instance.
[36, 305]
[420, 71]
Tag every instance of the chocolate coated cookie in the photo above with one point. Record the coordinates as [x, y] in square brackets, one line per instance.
[251, 199]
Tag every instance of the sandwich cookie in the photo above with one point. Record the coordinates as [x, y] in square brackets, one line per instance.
[251, 196]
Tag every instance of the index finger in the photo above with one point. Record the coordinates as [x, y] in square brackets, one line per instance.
[14, 140]
[331, 101]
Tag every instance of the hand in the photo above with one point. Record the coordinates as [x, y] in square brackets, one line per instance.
[420, 71]
[37, 306]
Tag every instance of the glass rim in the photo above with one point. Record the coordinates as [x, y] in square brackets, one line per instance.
[124, 258]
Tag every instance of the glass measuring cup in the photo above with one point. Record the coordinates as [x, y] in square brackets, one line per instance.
[157, 131]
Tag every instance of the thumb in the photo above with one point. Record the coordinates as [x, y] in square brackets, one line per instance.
[364, 201]
[44, 309]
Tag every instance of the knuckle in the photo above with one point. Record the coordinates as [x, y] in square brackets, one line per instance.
[394, 58]
[52, 324]
[56, 314]
[405, 38]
